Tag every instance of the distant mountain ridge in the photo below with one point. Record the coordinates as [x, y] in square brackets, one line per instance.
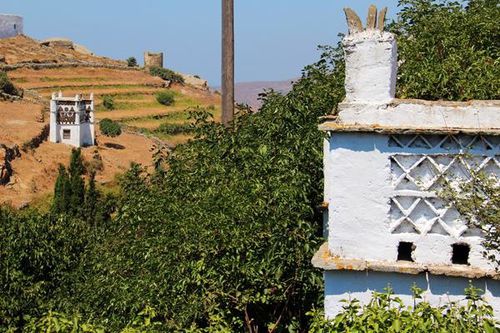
[248, 92]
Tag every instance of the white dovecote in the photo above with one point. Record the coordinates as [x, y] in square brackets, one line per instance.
[385, 160]
[72, 120]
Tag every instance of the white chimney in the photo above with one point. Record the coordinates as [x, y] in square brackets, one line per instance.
[371, 59]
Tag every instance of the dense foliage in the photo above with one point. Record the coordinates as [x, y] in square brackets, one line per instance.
[6, 86]
[386, 313]
[166, 74]
[108, 102]
[131, 62]
[166, 98]
[110, 127]
[449, 50]
[174, 129]
[221, 240]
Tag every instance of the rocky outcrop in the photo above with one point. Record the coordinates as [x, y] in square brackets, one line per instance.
[195, 81]
[6, 156]
[58, 42]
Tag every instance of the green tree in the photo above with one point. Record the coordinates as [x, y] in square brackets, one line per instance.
[6, 86]
[108, 102]
[61, 192]
[91, 200]
[166, 74]
[448, 49]
[77, 184]
[131, 62]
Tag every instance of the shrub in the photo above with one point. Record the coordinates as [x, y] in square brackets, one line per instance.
[478, 200]
[387, 313]
[132, 62]
[110, 128]
[166, 74]
[165, 98]
[37, 253]
[6, 86]
[108, 102]
[174, 129]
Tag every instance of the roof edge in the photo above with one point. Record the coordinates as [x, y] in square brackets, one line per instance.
[332, 125]
[325, 260]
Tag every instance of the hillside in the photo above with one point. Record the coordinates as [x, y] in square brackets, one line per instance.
[42, 70]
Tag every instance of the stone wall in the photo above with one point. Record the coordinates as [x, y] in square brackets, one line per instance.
[10, 25]
[7, 154]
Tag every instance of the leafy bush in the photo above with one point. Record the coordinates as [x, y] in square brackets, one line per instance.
[387, 313]
[165, 98]
[110, 128]
[166, 74]
[144, 322]
[37, 254]
[6, 86]
[108, 102]
[450, 49]
[174, 129]
[227, 226]
[132, 62]
[478, 200]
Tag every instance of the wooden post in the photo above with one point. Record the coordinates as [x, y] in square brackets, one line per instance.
[227, 62]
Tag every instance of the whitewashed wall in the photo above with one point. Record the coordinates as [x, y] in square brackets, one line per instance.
[365, 187]
[10, 25]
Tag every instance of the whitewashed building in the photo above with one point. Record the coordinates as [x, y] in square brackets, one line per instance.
[10, 25]
[385, 160]
[72, 120]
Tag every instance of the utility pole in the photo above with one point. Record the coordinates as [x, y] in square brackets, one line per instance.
[227, 62]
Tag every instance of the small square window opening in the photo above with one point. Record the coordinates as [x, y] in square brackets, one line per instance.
[66, 134]
[460, 254]
[405, 250]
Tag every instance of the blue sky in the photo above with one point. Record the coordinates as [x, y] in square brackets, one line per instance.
[275, 39]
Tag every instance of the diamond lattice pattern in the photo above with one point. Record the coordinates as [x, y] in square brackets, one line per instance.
[422, 168]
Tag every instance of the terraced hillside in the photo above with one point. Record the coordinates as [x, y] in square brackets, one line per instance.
[133, 92]
[42, 70]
